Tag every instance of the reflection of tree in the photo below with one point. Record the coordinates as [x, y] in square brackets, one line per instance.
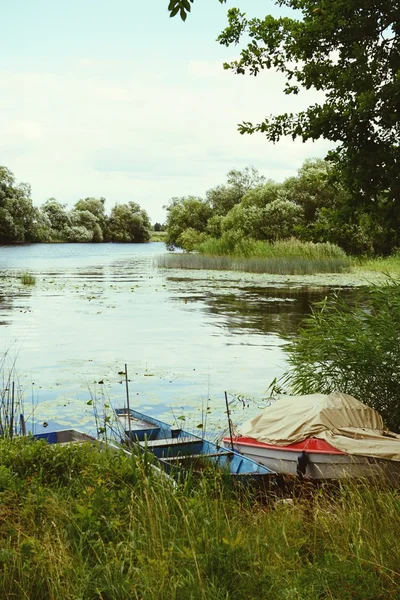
[7, 305]
[262, 310]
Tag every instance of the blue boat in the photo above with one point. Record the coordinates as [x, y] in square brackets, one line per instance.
[177, 449]
[65, 436]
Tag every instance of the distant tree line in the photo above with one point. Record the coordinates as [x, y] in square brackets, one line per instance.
[312, 206]
[21, 221]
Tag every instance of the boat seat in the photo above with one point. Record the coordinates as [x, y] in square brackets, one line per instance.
[166, 442]
[191, 456]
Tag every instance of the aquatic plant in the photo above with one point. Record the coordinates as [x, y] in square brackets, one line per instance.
[11, 398]
[285, 265]
[27, 279]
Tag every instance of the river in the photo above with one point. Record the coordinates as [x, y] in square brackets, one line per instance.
[186, 336]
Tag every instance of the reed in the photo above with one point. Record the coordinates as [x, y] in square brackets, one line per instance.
[249, 248]
[283, 265]
[81, 522]
[27, 279]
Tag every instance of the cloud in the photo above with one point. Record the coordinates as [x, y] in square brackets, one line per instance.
[140, 131]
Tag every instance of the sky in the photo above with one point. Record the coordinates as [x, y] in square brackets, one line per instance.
[113, 98]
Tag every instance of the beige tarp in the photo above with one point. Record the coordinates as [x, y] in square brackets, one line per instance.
[340, 419]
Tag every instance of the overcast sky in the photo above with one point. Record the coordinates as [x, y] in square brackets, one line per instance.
[103, 98]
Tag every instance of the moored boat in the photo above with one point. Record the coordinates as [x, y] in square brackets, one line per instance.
[322, 437]
[65, 436]
[177, 449]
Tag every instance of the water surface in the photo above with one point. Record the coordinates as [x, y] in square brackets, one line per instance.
[186, 336]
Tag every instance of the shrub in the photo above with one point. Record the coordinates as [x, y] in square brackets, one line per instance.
[354, 349]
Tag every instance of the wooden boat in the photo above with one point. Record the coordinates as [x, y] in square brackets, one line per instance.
[72, 436]
[177, 449]
[322, 437]
[65, 436]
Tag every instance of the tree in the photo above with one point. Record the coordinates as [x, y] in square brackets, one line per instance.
[85, 219]
[17, 213]
[95, 221]
[128, 223]
[277, 220]
[350, 51]
[263, 195]
[313, 188]
[224, 197]
[39, 229]
[187, 212]
[96, 207]
[58, 216]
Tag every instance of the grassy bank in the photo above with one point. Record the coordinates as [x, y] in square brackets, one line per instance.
[389, 264]
[77, 522]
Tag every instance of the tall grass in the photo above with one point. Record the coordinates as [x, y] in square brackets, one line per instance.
[77, 522]
[249, 248]
[275, 264]
[288, 257]
[27, 279]
[11, 397]
[389, 264]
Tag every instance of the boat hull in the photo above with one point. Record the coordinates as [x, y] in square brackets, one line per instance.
[325, 464]
[64, 436]
[177, 449]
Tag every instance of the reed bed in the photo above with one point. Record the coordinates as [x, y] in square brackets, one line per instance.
[249, 248]
[282, 265]
[81, 522]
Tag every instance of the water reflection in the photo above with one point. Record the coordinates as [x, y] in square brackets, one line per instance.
[271, 309]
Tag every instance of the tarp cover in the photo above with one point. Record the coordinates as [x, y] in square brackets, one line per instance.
[341, 420]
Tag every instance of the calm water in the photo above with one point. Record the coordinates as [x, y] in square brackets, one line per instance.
[186, 336]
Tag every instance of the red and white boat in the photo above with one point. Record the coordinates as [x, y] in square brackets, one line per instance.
[320, 436]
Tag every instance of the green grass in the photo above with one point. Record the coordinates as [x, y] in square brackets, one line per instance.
[27, 279]
[390, 264]
[80, 523]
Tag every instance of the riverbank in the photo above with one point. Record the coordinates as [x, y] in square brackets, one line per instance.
[78, 522]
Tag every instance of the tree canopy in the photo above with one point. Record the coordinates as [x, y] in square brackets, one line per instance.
[350, 51]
